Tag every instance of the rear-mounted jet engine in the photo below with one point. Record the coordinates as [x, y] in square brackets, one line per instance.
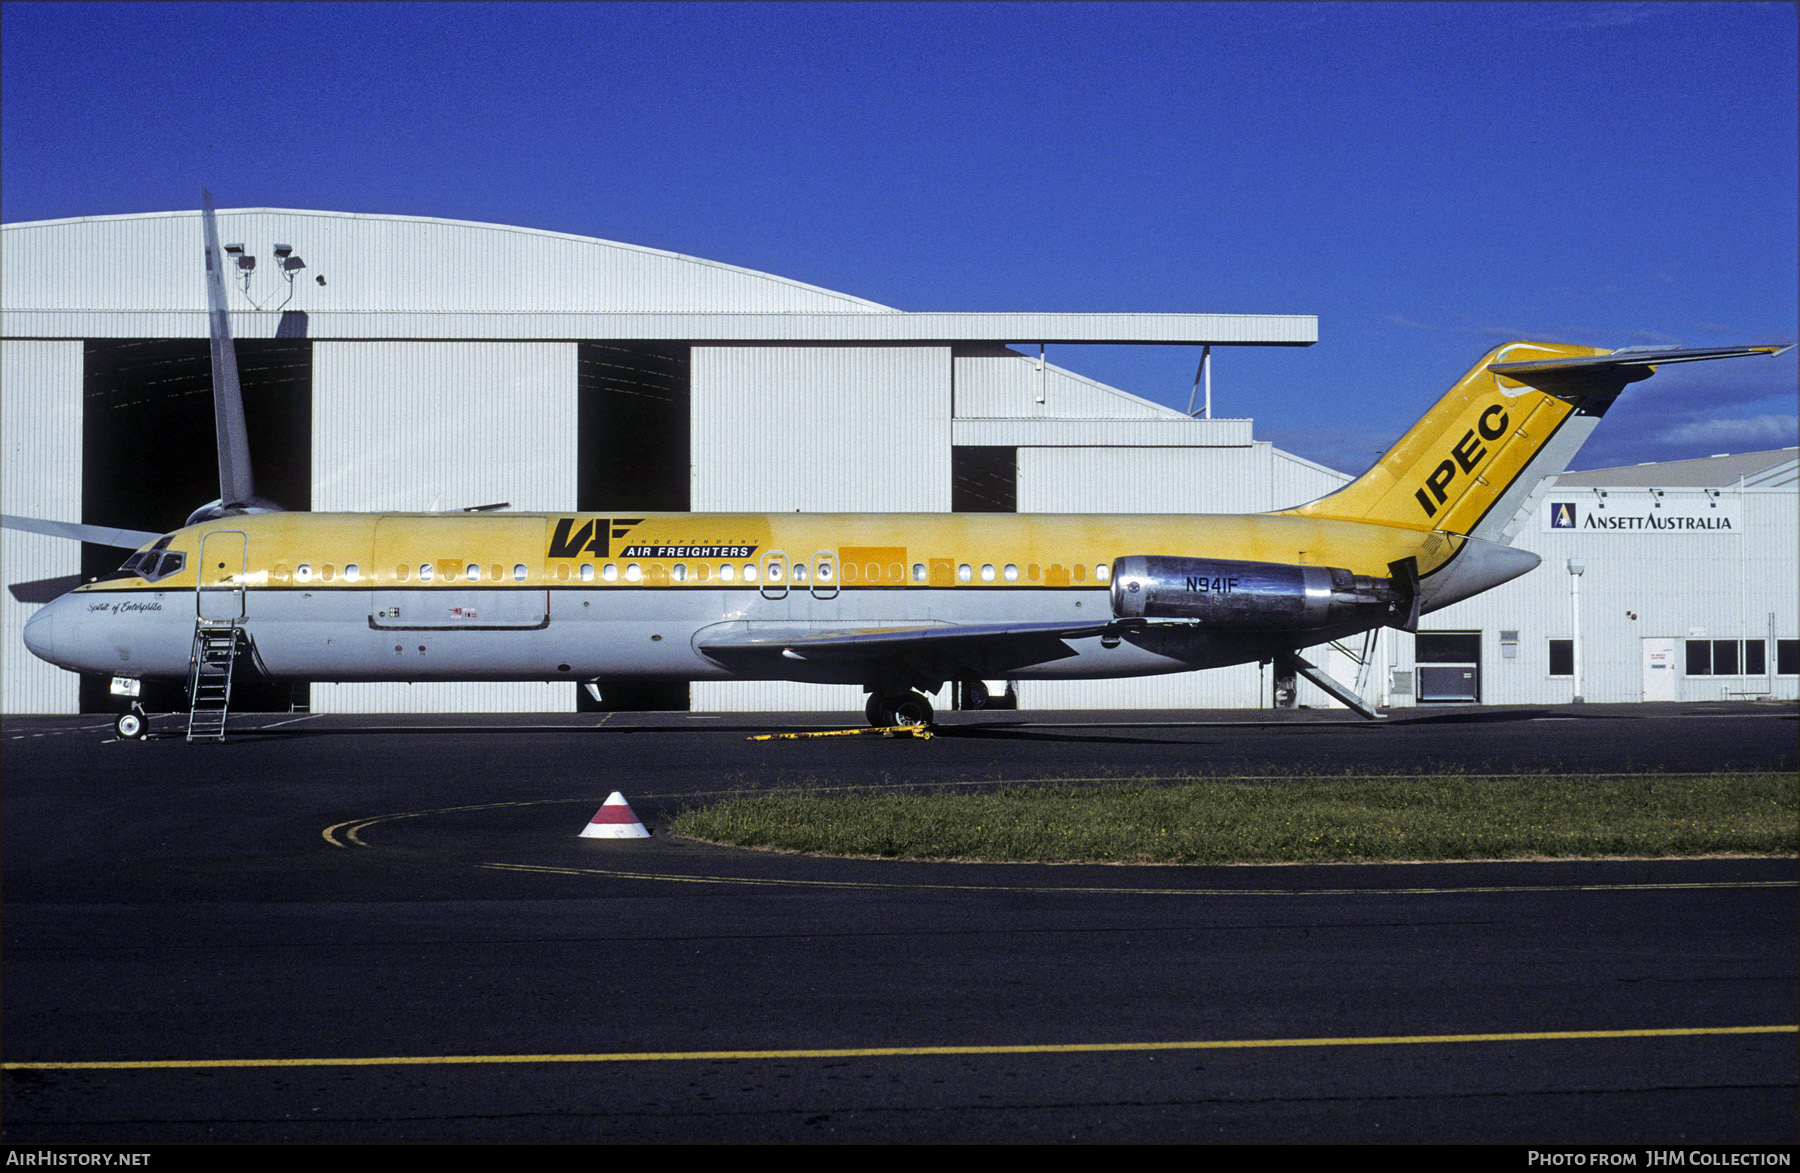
[1256, 596]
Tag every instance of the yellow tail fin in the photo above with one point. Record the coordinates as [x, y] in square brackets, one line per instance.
[1474, 464]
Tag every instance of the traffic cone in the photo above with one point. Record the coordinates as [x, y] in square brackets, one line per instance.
[614, 820]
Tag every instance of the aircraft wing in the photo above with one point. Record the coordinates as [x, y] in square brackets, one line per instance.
[939, 649]
[100, 535]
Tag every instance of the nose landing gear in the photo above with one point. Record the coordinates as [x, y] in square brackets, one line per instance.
[133, 724]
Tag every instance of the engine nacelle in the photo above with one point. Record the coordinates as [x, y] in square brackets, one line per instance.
[1251, 596]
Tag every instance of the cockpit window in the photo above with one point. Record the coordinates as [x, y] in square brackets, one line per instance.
[155, 563]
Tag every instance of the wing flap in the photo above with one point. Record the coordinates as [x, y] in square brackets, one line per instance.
[880, 643]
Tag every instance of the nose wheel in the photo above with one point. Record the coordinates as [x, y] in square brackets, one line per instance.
[132, 725]
[907, 708]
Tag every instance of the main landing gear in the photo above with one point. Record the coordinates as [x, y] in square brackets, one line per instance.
[906, 708]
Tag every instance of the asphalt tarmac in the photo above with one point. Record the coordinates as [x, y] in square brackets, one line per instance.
[387, 929]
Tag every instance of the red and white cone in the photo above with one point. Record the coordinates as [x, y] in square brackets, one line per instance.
[614, 820]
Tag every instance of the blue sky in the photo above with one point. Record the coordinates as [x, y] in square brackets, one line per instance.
[1430, 180]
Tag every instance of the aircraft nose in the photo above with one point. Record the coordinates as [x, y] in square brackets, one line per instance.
[40, 632]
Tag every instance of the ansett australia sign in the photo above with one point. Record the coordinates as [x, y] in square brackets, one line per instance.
[1640, 513]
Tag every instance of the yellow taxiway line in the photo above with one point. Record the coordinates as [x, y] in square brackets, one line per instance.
[886, 1052]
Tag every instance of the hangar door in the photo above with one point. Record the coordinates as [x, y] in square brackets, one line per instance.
[1449, 664]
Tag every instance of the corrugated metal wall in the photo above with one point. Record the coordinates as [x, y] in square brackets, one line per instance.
[1237, 479]
[999, 383]
[817, 429]
[443, 426]
[1638, 585]
[40, 476]
[821, 429]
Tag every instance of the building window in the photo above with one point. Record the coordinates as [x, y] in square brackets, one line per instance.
[1787, 657]
[1730, 657]
[1562, 657]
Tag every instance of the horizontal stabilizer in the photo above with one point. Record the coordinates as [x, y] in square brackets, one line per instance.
[100, 535]
[1628, 357]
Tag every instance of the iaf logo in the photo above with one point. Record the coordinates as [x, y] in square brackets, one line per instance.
[1562, 515]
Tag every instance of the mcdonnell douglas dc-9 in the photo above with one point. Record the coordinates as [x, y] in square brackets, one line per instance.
[899, 604]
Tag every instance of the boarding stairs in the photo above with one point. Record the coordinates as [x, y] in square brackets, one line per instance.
[217, 643]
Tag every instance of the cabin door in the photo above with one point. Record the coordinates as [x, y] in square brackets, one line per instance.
[219, 591]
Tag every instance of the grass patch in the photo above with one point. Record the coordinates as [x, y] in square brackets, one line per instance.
[1431, 817]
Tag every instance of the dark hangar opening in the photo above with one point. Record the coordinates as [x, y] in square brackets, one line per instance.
[632, 456]
[632, 447]
[984, 478]
[149, 458]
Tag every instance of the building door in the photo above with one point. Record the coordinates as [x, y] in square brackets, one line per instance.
[1449, 664]
[1662, 678]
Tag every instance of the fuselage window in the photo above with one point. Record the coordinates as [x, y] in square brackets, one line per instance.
[727, 572]
[987, 572]
[424, 572]
[679, 572]
[964, 572]
[303, 572]
[401, 573]
[562, 572]
[352, 572]
[799, 572]
[328, 572]
[518, 572]
[497, 572]
[749, 572]
[774, 572]
[587, 572]
[448, 568]
[896, 572]
[633, 572]
[1080, 572]
[1102, 572]
[702, 571]
[824, 572]
[1011, 572]
[918, 572]
[610, 572]
[472, 572]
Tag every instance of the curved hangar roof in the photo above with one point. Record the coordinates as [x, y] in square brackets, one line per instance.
[416, 277]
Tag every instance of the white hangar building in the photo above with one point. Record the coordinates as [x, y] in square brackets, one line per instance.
[1677, 581]
[403, 363]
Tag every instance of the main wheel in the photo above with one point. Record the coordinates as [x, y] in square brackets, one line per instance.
[129, 726]
[907, 708]
[912, 709]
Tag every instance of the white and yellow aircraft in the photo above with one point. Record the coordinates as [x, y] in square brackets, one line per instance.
[899, 604]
